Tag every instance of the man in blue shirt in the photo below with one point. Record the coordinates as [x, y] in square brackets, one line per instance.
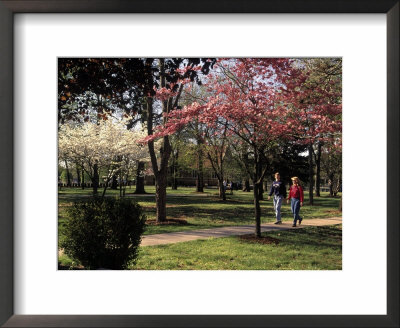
[279, 191]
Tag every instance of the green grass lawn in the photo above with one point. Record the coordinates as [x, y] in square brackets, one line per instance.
[206, 210]
[310, 248]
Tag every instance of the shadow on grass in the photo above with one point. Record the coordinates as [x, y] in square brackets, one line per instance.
[208, 211]
[325, 237]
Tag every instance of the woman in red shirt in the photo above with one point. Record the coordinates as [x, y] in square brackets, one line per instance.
[296, 196]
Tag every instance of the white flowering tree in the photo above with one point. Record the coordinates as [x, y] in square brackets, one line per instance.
[106, 146]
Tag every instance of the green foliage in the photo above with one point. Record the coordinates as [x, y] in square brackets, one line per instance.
[64, 177]
[104, 233]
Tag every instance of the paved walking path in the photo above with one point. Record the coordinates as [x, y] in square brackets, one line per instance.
[176, 237]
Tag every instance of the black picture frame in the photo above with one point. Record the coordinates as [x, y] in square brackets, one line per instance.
[10, 7]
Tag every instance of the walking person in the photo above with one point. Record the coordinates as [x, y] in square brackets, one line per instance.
[296, 196]
[231, 187]
[279, 191]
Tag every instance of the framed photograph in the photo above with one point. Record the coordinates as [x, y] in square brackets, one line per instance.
[40, 38]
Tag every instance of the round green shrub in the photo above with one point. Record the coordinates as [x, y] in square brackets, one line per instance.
[104, 233]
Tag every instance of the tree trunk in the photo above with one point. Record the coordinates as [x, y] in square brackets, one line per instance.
[104, 190]
[174, 178]
[160, 171]
[330, 185]
[175, 158]
[336, 189]
[140, 179]
[256, 191]
[68, 175]
[311, 174]
[260, 186]
[78, 176]
[222, 193]
[126, 182]
[200, 175]
[260, 192]
[120, 185]
[114, 183]
[257, 209]
[161, 198]
[83, 179]
[95, 182]
[174, 184]
[160, 176]
[200, 181]
[246, 185]
[246, 182]
[318, 175]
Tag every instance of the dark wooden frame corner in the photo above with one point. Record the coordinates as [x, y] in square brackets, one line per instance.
[10, 7]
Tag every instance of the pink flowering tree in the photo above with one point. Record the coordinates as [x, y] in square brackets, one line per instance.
[217, 144]
[244, 102]
[161, 102]
[313, 98]
[212, 140]
[260, 102]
